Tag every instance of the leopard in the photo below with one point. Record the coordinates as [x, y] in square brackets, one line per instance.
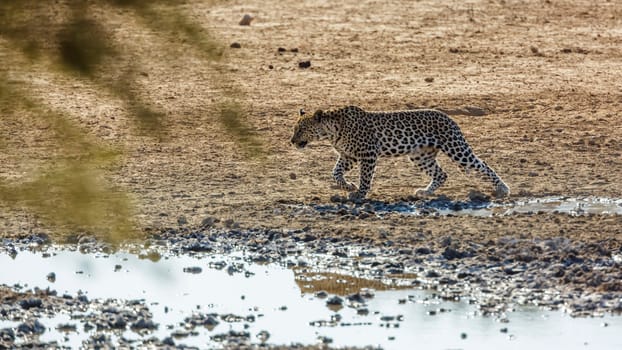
[360, 136]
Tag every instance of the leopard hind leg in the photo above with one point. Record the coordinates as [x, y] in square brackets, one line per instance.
[460, 151]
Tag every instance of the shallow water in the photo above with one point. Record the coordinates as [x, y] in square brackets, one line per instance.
[480, 207]
[283, 303]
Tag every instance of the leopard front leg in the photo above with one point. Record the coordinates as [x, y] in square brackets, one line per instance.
[342, 166]
[368, 167]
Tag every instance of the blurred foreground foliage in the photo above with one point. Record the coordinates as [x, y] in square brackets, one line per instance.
[71, 192]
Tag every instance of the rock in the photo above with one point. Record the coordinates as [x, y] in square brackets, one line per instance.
[281, 49]
[31, 327]
[246, 20]
[208, 222]
[450, 254]
[51, 277]
[168, 341]
[423, 251]
[355, 299]
[334, 301]
[66, 327]
[432, 274]
[117, 322]
[292, 176]
[321, 294]
[445, 241]
[263, 336]
[304, 64]
[7, 335]
[235, 45]
[181, 221]
[428, 79]
[477, 196]
[193, 269]
[210, 322]
[362, 311]
[30, 303]
[143, 323]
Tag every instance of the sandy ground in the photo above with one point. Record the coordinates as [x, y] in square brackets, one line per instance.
[545, 73]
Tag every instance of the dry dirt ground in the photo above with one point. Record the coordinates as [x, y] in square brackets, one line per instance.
[546, 73]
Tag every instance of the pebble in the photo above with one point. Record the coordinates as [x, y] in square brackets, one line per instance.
[304, 64]
[321, 294]
[246, 20]
[193, 270]
[335, 300]
[31, 327]
[31, 303]
[51, 277]
[263, 336]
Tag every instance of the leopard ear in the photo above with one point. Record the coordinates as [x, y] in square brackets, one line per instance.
[318, 115]
[302, 112]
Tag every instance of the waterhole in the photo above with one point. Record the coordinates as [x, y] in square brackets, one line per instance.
[481, 206]
[280, 305]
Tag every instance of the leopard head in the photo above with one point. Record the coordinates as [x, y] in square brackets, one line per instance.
[309, 128]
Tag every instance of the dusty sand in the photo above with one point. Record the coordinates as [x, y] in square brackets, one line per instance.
[545, 73]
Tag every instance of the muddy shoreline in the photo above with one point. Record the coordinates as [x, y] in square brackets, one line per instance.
[576, 276]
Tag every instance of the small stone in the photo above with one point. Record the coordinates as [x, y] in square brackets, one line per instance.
[31, 303]
[325, 340]
[182, 220]
[66, 327]
[304, 64]
[432, 274]
[246, 20]
[7, 335]
[263, 336]
[292, 176]
[117, 267]
[362, 311]
[193, 269]
[168, 341]
[428, 79]
[321, 294]
[295, 49]
[423, 251]
[334, 301]
[463, 335]
[118, 323]
[31, 327]
[208, 222]
[270, 66]
[51, 277]
[281, 49]
[235, 45]
[503, 330]
[144, 324]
